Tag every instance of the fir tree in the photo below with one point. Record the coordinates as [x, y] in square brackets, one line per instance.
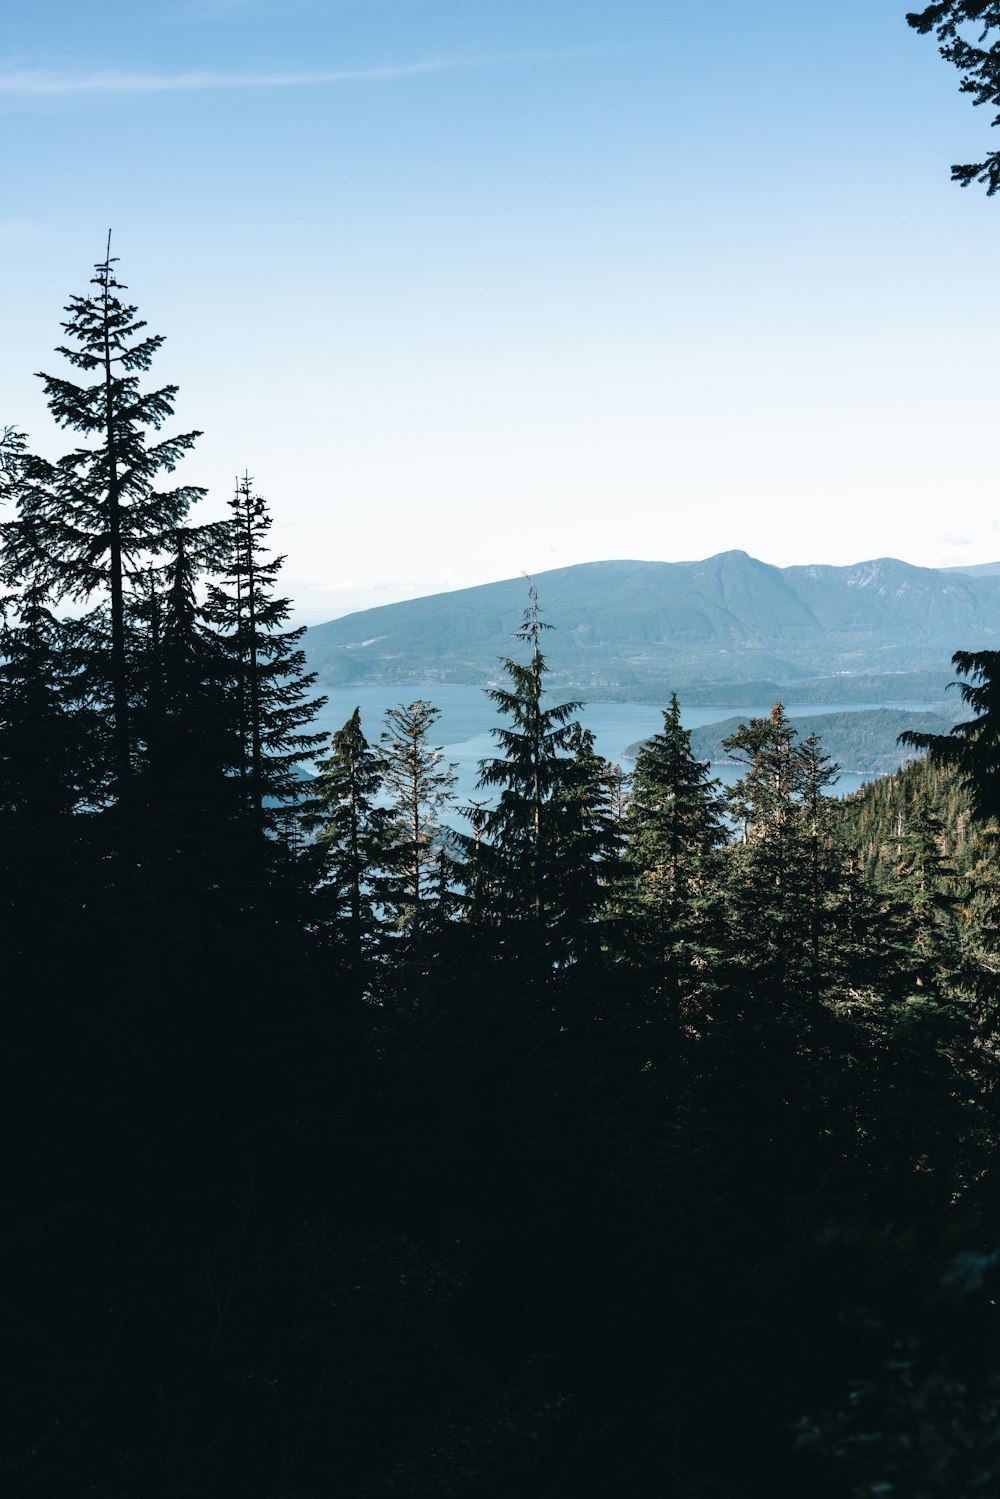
[186, 721]
[267, 664]
[356, 838]
[972, 747]
[978, 64]
[520, 834]
[587, 845]
[668, 896]
[51, 749]
[776, 881]
[89, 525]
[419, 782]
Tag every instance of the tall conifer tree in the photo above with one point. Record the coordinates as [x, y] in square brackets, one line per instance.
[774, 891]
[668, 894]
[354, 852]
[519, 851]
[419, 781]
[89, 525]
[267, 664]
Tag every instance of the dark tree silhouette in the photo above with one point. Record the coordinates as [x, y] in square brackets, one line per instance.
[966, 31]
[269, 681]
[520, 840]
[354, 855]
[668, 894]
[419, 781]
[90, 525]
[972, 747]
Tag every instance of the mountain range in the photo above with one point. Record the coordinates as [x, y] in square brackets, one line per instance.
[881, 630]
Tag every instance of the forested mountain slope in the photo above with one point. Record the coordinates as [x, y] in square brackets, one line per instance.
[728, 619]
[864, 742]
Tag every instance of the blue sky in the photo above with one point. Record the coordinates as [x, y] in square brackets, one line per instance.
[473, 287]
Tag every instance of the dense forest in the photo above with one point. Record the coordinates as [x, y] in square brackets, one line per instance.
[635, 1137]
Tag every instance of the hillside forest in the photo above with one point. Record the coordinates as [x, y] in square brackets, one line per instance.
[638, 1138]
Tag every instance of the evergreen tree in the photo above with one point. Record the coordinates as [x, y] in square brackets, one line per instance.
[972, 747]
[520, 840]
[926, 899]
[587, 844]
[668, 893]
[89, 525]
[51, 746]
[13, 446]
[419, 782]
[267, 664]
[355, 845]
[977, 62]
[777, 882]
[186, 723]
[819, 774]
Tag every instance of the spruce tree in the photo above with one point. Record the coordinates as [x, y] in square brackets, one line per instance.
[972, 747]
[267, 665]
[519, 852]
[51, 748]
[587, 844]
[419, 783]
[775, 893]
[186, 720]
[978, 64]
[355, 841]
[926, 897]
[89, 525]
[668, 892]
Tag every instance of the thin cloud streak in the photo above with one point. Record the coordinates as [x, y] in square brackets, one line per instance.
[40, 83]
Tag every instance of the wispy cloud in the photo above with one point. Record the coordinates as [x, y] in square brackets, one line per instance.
[41, 83]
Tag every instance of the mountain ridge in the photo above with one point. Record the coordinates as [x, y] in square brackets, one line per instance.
[625, 623]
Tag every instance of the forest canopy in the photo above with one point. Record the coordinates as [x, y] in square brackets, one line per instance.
[359, 1152]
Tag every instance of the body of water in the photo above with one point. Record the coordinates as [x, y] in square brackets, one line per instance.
[467, 715]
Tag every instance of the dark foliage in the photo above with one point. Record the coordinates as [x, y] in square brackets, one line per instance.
[621, 1146]
[966, 31]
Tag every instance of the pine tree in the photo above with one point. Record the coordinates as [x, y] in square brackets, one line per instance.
[979, 66]
[587, 846]
[267, 664]
[89, 525]
[354, 852]
[668, 893]
[926, 896]
[419, 782]
[189, 742]
[51, 746]
[972, 747]
[818, 774]
[13, 446]
[781, 864]
[519, 853]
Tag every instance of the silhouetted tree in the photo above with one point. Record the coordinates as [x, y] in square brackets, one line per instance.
[269, 681]
[780, 867]
[520, 840]
[977, 58]
[419, 782]
[669, 890]
[356, 837]
[89, 525]
[972, 747]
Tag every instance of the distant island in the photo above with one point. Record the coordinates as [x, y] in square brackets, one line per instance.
[861, 743]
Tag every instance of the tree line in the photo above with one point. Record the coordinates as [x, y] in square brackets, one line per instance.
[635, 1135]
